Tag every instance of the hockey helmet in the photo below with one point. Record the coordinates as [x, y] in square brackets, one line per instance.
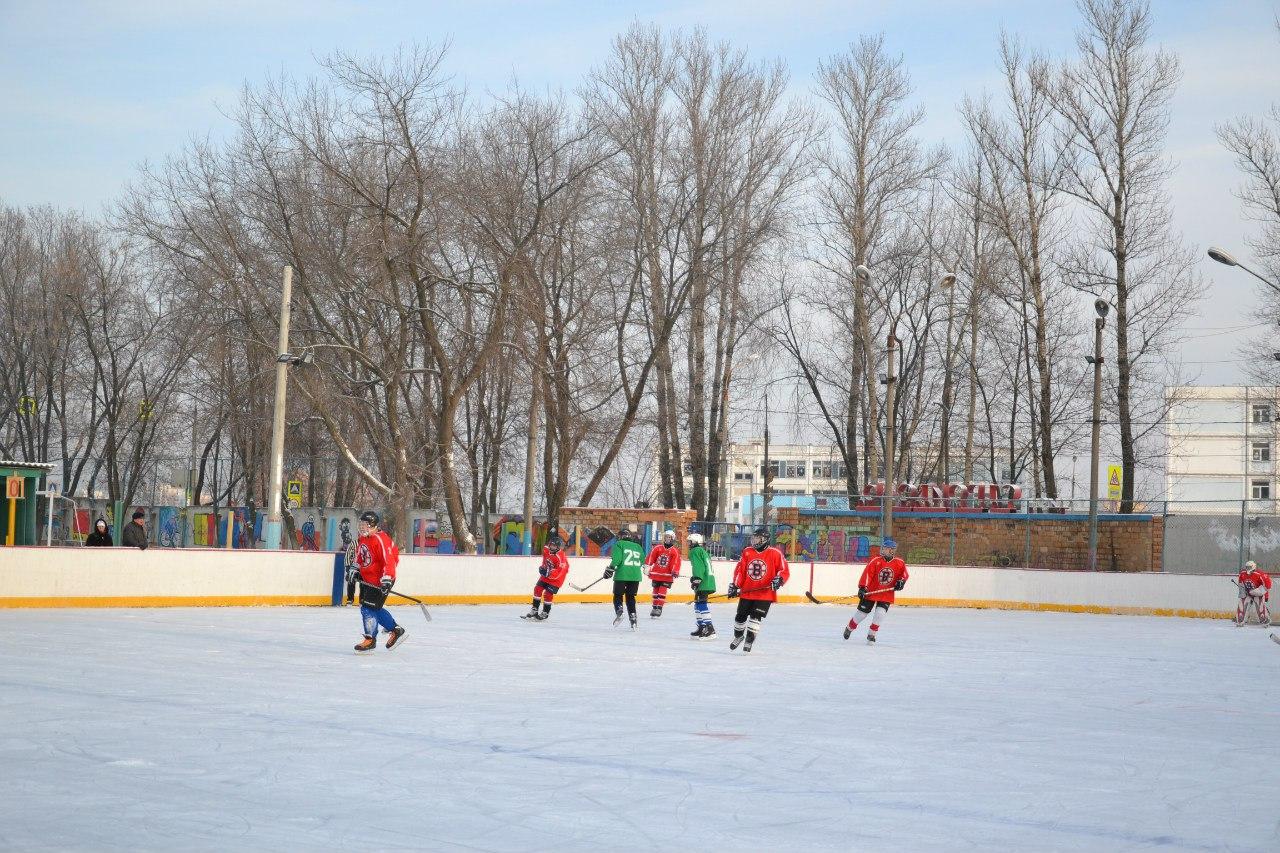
[370, 517]
[554, 541]
[695, 539]
[759, 537]
[1251, 566]
[888, 545]
[668, 536]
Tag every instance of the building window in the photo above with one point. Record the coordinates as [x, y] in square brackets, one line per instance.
[735, 504]
[1261, 489]
[1262, 451]
[1261, 413]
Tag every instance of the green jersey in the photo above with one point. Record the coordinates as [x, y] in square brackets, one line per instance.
[701, 564]
[626, 560]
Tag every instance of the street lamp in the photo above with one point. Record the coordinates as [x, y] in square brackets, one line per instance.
[1224, 258]
[1101, 307]
[891, 396]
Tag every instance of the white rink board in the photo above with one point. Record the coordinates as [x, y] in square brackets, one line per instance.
[258, 729]
[91, 577]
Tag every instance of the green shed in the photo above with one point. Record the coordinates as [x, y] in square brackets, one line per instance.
[18, 514]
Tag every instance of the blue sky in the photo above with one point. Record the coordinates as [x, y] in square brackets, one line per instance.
[88, 90]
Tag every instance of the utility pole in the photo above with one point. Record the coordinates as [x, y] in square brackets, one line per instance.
[283, 360]
[768, 472]
[1101, 307]
[531, 459]
[891, 415]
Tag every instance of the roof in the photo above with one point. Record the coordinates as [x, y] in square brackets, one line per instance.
[38, 466]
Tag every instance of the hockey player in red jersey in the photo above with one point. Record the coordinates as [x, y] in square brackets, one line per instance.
[375, 568]
[884, 575]
[760, 573]
[1255, 588]
[663, 568]
[553, 571]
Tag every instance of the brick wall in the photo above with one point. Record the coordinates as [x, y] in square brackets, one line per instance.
[615, 518]
[1125, 544]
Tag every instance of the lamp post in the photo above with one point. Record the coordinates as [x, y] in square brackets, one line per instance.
[891, 398]
[1225, 258]
[1101, 307]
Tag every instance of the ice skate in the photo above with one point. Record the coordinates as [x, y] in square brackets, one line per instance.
[366, 645]
[710, 633]
[655, 612]
[532, 614]
[617, 620]
[736, 641]
[871, 636]
[848, 632]
[542, 617]
[396, 640]
[634, 622]
[751, 639]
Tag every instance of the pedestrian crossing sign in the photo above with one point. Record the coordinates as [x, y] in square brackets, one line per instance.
[1115, 478]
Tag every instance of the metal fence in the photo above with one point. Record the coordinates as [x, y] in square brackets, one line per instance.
[1186, 537]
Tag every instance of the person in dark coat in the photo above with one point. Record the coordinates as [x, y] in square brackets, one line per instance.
[101, 535]
[135, 535]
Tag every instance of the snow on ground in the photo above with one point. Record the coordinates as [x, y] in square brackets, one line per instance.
[227, 729]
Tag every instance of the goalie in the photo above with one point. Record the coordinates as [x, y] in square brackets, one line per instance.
[1255, 590]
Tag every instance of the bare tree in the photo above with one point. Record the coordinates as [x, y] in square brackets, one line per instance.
[1113, 101]
[870, 173]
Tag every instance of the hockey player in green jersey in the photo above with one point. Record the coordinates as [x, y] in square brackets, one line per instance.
[625, 563]
[704, 584]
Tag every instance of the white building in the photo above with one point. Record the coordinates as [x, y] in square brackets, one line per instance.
[798, 469]
[1222, 445]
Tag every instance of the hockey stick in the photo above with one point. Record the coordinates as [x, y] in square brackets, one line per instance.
[588, 586]
[740, 592]
[417, 601]
[809, 595]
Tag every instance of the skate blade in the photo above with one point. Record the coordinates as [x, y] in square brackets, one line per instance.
[398, 643]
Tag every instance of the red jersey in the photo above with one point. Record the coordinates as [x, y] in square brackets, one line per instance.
[374, 557]
[756, 570]
[1254, 579]
[881, 576]
[556, 565]
[663, 563]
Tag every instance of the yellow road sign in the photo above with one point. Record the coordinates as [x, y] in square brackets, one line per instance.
[1115, 482]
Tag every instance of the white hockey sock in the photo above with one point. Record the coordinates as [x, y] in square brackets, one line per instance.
[877, 615]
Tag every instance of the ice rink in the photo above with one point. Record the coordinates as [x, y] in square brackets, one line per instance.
[233, 729]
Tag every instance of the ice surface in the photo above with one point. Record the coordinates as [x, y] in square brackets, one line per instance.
[239, 729]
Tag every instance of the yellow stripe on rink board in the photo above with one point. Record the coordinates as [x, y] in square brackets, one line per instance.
[164, 601]
[569, 598]
[1110, 609]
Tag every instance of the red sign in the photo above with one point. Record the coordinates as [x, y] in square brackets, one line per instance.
[15, 487]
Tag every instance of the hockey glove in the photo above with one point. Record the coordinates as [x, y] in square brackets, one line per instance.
[862, 592]
[776, 583]
[733, 591]
[899, 585]
[608, 573]
[385, 584]
[353, 572]
[543, 570]
[695, 582]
